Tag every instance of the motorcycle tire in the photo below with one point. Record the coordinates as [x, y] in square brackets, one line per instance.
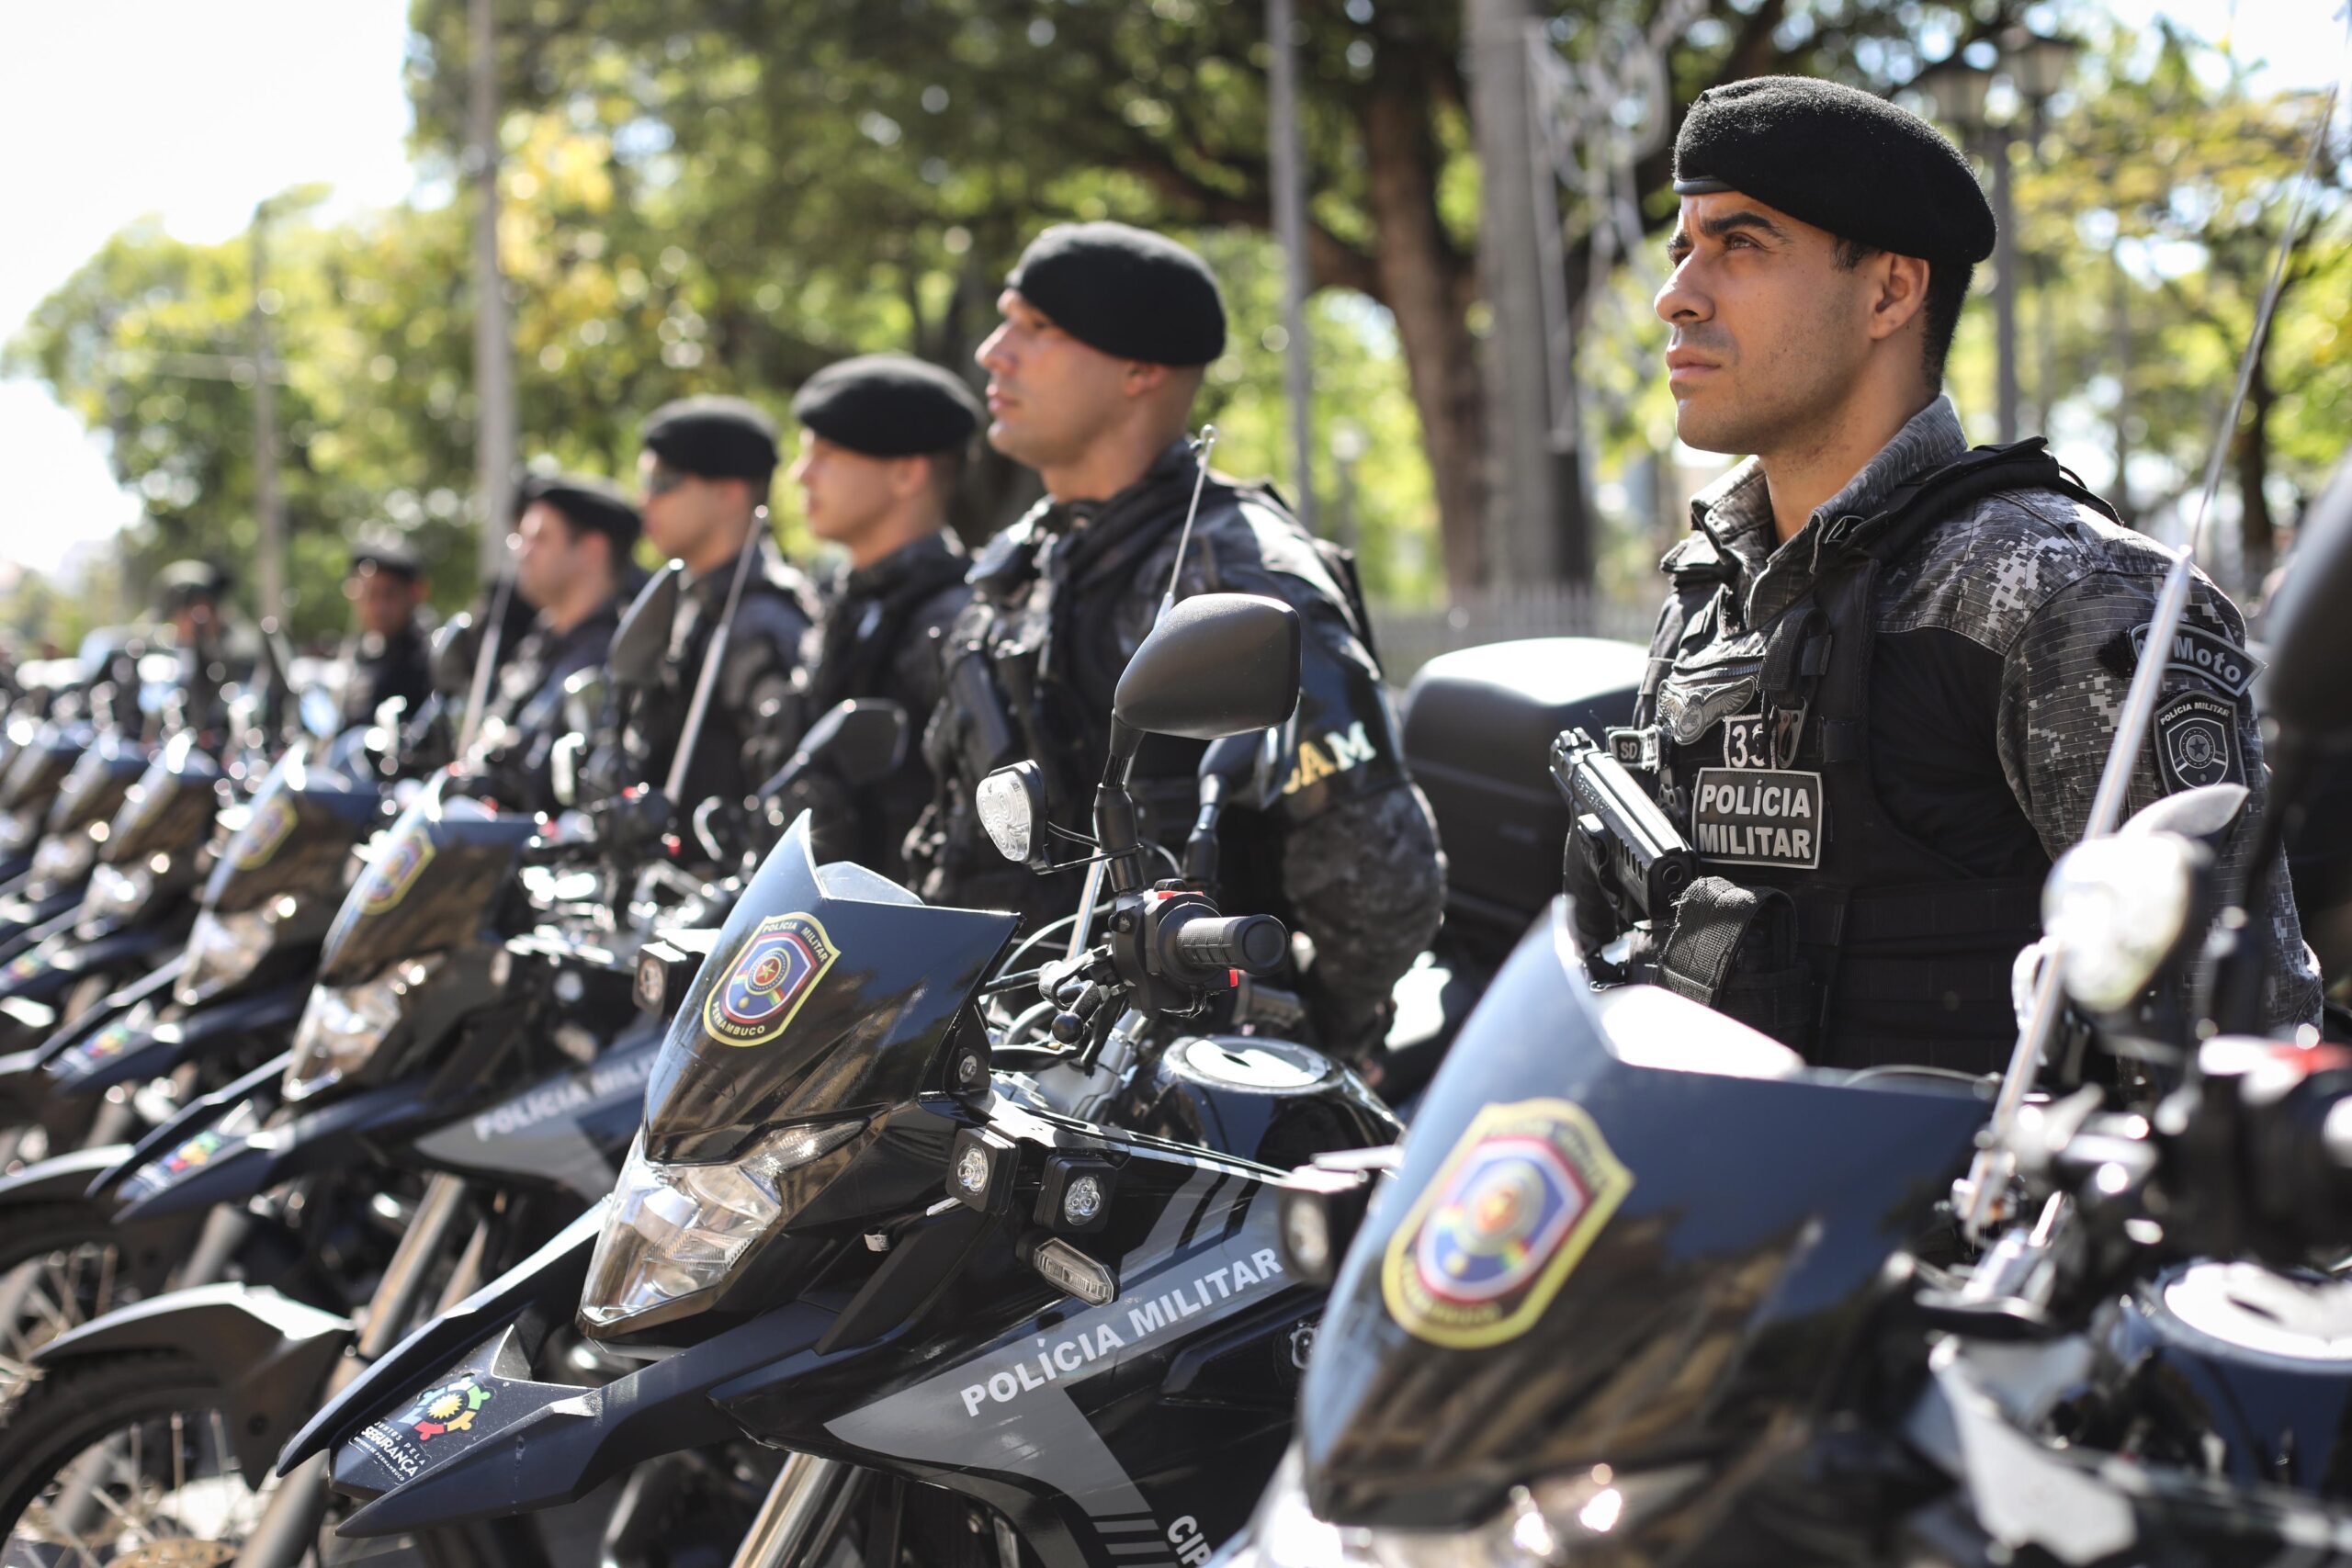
[83, 1271]
[63, 1419]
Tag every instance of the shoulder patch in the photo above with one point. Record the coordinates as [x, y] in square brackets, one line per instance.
[2197, 741]
[2198, 652]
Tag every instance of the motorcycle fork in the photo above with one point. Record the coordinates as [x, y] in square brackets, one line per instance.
[802, 1516]
[289, 1525]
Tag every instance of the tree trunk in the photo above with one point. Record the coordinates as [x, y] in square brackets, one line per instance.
[1426, 286]
[2257, 533]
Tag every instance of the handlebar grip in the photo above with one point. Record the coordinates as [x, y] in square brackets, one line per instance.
[1254, 944]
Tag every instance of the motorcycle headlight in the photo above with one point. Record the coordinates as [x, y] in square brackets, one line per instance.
[221, 951]
[115, 894]
[64, 857]
[343, 1027]
[674, 1234]
[2119, 908]
[1549, 1522]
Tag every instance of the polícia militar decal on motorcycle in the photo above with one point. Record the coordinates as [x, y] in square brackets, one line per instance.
[781, 963]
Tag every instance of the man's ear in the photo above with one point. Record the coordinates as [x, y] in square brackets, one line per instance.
[1901, 295]
[909, 476]
[1143, 378]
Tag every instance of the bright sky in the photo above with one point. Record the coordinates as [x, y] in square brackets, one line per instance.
[114, 109]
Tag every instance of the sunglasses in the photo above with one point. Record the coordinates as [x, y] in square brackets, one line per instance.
[662, 481]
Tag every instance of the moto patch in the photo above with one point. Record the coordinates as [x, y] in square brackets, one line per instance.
[2197, 742]
[2216, 658]
[1758, 817]
[395, 871]
[772, 975]
[1511, 1212]
[263, 834]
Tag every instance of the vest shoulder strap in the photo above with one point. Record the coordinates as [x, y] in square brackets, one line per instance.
[1925, 500]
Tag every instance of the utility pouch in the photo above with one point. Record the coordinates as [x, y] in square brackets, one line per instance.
[1734, 949]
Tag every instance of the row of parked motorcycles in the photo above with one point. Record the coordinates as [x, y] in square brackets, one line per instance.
[391, 1175]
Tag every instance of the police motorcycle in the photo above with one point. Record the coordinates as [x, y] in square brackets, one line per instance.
[461, 1056]
[931, 1261]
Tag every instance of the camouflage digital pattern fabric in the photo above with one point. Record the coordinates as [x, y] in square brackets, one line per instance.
[2062, 597]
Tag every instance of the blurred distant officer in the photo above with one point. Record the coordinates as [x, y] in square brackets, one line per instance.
[884, 443]
[704, 470]
[390, 655]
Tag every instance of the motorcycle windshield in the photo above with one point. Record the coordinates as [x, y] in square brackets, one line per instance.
[1583, 1261]
[829, 991]
[94, 787]
[306, 819]
[37, 771]
[432, 885]
[169, 811]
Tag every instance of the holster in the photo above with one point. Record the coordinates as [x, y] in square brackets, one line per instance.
[1734, 949]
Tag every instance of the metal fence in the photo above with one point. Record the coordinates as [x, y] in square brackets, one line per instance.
[1410, 636]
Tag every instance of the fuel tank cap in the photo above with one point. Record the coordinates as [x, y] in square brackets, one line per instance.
[1233, 1061]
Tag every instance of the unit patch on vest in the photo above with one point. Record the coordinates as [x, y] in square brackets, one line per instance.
[1758, 817]
[1498, 1230]
[773, 975]
[2197, 741]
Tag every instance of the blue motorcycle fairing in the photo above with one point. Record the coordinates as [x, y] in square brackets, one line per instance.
[120, 1053]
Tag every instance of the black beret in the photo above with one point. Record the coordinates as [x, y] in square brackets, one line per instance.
[1839, 159]
[889, 405]
[593, 504]
[389, 555]
[185, 583]
[718, 438]
[1128, 292]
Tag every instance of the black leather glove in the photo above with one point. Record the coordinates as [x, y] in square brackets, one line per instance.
[1592, 913]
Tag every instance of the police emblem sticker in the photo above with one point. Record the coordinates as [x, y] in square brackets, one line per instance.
[263, 834]
[772, 975]
[1758, 817]
[2197, 741]
[1512, 1212]
[396, 870]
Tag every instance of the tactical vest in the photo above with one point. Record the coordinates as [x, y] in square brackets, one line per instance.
[1886, 950]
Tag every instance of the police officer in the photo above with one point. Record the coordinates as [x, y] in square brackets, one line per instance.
[705, 470]
[572, 539]
[883, 443]
[1886, 677]
[193, 596]
[1106, 333]
[390, 656]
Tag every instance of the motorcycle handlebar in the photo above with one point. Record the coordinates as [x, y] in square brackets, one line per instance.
[1254, 944]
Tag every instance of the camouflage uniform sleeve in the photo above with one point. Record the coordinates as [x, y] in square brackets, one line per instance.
[1367, 882]
[2062, 690]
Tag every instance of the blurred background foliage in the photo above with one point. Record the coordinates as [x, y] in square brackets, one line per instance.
[725, 194]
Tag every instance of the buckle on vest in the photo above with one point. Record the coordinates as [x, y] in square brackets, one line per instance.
[1635, 748]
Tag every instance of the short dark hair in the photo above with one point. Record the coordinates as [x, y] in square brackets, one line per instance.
[1947, 292]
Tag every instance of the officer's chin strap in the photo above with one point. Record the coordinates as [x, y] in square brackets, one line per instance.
[1977, 1196]
[1082, 929]
[716, 655]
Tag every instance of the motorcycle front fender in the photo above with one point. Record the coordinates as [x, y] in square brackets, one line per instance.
[271, 1354]
[532, 1445]
[108, 1057]
[191, 1118]
[60, 1179]
[547, 1283]
[156, 985]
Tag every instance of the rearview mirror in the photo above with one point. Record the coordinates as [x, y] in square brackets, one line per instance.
[641, 643]
[1217, 664]
[859, 741]
[2311, 636]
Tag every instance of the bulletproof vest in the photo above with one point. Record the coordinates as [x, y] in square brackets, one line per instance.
[1886, 950]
